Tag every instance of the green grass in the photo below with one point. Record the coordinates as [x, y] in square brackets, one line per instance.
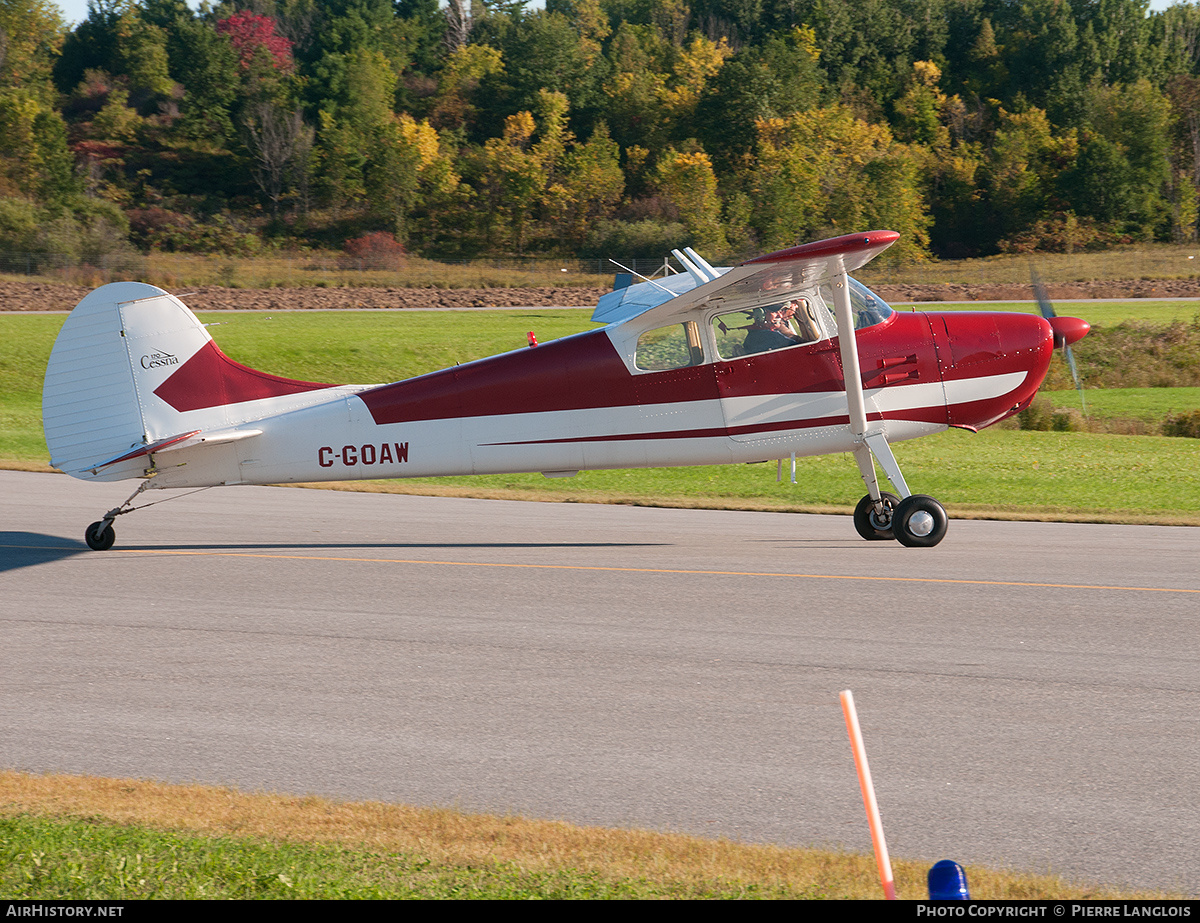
[85, 837]
[71, 859]
[380, 346]
[25, 343]
[1149, 405]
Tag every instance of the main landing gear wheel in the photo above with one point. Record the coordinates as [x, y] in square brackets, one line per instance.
[100, 536]
[919, 522]
[871, 524]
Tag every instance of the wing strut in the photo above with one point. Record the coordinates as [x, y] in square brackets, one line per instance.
[914, 520]
[868, 442]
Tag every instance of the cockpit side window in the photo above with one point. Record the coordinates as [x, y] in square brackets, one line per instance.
[673, 347]
[771, 326]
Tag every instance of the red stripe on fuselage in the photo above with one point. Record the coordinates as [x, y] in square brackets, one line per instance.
[919, 414]
[585, 372]
[212, 379]
[573, 373]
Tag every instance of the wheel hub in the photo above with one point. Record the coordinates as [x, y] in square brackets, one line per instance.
[920, 523]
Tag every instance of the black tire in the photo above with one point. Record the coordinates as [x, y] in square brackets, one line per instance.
[869, 525]
[99, 537]
[919, 522]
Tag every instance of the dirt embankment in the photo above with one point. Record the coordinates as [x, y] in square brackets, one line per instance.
[1060, 291]
[41, 296]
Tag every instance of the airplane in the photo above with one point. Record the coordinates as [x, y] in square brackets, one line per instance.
[784, 353]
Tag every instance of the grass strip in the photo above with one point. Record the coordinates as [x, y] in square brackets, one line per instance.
[79, 837]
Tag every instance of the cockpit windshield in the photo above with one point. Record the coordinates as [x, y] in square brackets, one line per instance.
[867, 308]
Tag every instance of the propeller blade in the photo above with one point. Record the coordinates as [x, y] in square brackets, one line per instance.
[1075, 374]
[1067, 330]
[1039, 292]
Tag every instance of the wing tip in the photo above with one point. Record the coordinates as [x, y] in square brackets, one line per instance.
[832, 246]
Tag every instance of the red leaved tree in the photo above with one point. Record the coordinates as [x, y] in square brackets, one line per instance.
[248, 32]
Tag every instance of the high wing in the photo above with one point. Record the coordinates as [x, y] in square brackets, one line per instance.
[771, 278]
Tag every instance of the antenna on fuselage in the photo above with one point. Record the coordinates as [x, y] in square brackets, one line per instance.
[699, 276]
[701, 262]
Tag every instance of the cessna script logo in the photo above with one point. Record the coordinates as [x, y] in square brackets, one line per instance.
[158, 359]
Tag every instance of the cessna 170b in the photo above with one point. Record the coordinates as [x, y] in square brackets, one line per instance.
[780, 354]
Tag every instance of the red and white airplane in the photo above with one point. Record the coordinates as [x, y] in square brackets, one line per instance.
[781, 354]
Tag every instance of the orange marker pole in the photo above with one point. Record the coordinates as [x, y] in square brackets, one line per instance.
[868, 792]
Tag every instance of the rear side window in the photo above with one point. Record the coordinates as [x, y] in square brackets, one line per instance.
[673, 347]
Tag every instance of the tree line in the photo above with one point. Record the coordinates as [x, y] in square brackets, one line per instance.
[598, 127]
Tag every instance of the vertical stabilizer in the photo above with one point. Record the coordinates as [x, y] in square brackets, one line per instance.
[133, 370]
[117, 343]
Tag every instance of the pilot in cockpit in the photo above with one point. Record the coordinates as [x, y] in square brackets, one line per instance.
[781, 325]
[769, 330]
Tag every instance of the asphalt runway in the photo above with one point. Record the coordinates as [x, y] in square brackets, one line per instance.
[1028, 691]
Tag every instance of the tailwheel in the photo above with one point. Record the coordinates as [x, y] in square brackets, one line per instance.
[919, 522]
[100, 536]
[875, 524]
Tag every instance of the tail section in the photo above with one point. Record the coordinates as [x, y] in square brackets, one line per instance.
[133, 372]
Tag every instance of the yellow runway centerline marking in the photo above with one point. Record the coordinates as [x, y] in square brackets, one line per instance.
[656, 570]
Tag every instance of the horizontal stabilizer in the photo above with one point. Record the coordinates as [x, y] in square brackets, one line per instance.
[175, 443]
[139, 451]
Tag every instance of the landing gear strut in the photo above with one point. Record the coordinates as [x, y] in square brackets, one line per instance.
[917, 521]
[100, 535]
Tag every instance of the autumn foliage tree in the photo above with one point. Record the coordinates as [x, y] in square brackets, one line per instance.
[596, 125]
[251, 35]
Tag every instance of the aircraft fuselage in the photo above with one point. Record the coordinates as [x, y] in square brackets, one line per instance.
[585, 405]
